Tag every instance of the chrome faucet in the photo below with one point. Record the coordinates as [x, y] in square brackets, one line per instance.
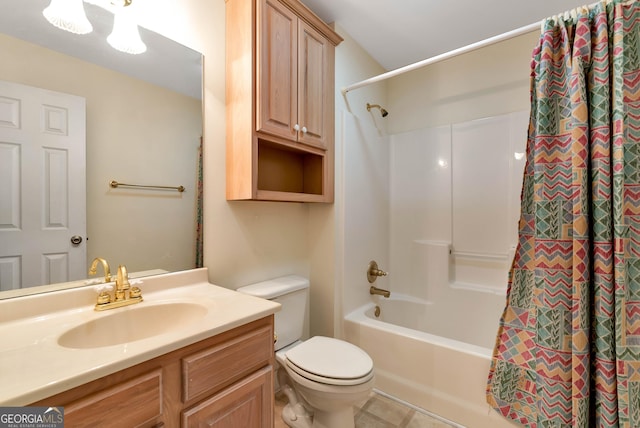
[123, 295]
[379, 291]
[105, 266]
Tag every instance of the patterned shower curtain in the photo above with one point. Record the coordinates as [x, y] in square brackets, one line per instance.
[567, 352]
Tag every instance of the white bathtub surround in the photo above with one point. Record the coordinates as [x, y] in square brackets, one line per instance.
[451, 220]
[420, 206]
[366, 207]
[467, 313]
[458, 184]
[487, 178]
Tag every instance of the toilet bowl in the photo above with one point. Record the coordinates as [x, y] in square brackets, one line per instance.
[323, 377]
[330, 376]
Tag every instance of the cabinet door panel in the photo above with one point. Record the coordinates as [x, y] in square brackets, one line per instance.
[131, 403]
[246, 404]
[277, 88]
[313, 89]
[239, 356]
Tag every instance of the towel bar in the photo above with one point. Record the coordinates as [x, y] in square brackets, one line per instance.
[114, 184]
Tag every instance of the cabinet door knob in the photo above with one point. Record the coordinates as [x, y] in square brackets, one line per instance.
[304, 129]
[296, 127]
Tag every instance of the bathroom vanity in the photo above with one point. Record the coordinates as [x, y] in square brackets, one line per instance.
[226, 376]
[213, 364]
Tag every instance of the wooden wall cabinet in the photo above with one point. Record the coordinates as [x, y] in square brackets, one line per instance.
[223, 381]
[280, 102]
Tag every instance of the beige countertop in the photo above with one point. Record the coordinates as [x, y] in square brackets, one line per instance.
[34, 366]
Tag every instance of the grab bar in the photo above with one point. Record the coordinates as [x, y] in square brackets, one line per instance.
[480, 256]
[114, 184]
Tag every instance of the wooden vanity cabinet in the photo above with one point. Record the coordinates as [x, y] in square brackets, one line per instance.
[280, 102]
[223, 381]
[295, 63]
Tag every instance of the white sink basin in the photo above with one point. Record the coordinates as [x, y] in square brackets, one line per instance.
[132, 323]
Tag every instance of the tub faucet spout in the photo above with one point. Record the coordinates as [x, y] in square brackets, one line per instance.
[379, 291]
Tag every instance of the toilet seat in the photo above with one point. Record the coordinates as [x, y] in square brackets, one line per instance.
[330, 361]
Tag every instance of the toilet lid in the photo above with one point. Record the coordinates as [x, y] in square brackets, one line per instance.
[328, 358]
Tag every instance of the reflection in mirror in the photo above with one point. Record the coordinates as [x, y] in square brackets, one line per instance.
[139, 118]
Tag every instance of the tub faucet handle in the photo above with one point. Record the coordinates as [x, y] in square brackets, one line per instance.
[373, 272]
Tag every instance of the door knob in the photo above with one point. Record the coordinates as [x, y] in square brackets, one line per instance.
[76, 239]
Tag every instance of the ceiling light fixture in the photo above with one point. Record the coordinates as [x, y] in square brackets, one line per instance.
[125, 35]
[68, 15]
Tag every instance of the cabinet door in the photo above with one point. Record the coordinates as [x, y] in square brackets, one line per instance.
[135, 402]
[247, 404]
[315, 91]
[276, 91]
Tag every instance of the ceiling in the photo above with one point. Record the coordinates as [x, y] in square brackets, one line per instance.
[181, 67]
[401, 32]
[394, 34]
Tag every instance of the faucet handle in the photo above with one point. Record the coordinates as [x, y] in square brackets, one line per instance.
[122, 280]
[373, 272]
[104, 298]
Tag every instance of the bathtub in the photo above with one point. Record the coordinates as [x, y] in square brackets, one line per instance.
[430, 355]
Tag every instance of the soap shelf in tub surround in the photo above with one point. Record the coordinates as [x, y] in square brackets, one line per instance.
[34, 365]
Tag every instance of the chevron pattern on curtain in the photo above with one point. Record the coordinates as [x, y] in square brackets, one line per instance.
[567, 352]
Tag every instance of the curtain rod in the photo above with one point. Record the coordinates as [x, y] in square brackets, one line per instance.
[465, 49]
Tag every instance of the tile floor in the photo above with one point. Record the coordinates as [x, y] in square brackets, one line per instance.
[377, 412]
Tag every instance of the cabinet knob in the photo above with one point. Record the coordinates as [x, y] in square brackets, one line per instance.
[304, 129]
[296, 127]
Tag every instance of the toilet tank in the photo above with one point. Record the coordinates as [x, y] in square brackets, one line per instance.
[292, 293]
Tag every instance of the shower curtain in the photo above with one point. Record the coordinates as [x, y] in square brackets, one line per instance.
[199, 205]
[567, 352]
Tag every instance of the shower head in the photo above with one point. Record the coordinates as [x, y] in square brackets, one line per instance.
[383, 112]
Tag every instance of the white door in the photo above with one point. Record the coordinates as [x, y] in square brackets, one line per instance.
[42, 186]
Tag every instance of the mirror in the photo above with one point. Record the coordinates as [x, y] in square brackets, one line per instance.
[143, 126]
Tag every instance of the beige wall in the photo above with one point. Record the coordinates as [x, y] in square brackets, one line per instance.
[250, 241]
[244, 242]
[136, 133]
[484, 83]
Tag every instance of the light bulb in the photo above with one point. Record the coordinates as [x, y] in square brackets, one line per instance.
[125, 35]
[68, 15]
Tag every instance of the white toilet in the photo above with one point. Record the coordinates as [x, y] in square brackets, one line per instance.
[329, 376]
